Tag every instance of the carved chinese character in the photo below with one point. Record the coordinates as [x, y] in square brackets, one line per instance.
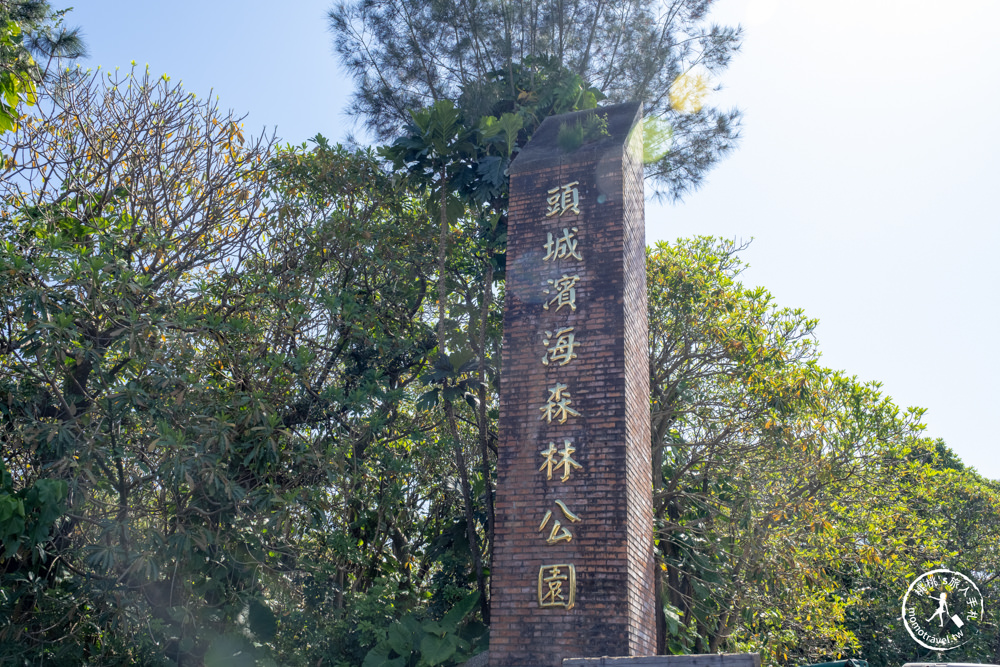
[557, 407]
[563, 246]
[563, 198]
[565, 461]
[561, 350]
[565, 292]
[557, 586]
[558, 532]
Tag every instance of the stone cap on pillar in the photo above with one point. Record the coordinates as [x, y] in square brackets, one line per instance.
[574, 137]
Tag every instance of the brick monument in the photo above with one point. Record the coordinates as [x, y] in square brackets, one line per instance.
[572, 572]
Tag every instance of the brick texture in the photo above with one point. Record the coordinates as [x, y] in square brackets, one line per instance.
[611, 546]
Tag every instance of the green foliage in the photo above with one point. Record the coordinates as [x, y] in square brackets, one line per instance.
[794, 503]
[931, 514]
[27, 515]
[440, 152]
[412, 643]
[450, 380]
[583, 131]
[462, 152]
[435, 153]
[211, 403]
[26, 27]
[542, 58]
[16, 78]
[533, 89]
[502, 131]
[116, 398]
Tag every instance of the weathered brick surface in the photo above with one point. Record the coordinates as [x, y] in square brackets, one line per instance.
[608, 383]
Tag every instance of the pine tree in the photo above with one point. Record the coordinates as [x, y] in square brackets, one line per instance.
[30, 30]
[408, 54]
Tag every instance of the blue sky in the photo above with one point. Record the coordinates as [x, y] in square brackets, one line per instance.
[867, 175]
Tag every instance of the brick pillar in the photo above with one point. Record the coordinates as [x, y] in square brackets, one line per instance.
[576, 244]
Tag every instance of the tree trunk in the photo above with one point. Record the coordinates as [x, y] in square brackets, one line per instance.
[470, 519]
[484, 435]
[442, 255]
[659, 598]
[449, 409]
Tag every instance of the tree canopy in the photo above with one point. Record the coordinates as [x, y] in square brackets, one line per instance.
[491, 58]
[27, 28]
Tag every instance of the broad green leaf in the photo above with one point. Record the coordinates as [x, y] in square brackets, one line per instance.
[435, 650]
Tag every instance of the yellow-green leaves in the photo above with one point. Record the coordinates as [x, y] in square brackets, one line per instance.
[17, 83]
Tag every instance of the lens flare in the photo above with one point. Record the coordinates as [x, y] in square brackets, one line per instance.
[657, 139]
[688, 92]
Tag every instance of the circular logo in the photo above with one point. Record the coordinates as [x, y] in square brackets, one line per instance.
[941, 608]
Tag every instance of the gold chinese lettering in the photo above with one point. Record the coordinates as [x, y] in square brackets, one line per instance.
[565, 461]
[563, 198]
[561, 351]
[557, 407]
[558, 532]
[565, 292]
[563, 246]
[557, 586]
[557, 583]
